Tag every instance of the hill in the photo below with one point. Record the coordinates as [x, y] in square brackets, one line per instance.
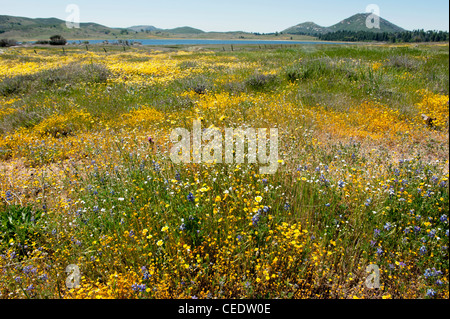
[43, 28]
[357, 23]
[22, 28]
[184, 30]
[143, 28]
[306, 28]
[354, 23]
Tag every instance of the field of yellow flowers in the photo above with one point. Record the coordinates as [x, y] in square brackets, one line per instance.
[86, 178]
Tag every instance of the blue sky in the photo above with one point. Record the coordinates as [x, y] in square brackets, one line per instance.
[233, 15]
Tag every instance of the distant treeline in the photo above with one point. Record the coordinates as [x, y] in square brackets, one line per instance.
[393, 37]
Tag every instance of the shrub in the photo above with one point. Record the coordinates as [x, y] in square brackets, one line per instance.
[57, 40]
[403, 62]
[19, 223]
[309, 69]
[14, 85]
[7, 43]
[260, 81]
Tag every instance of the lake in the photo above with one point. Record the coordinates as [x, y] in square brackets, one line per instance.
[216, 41]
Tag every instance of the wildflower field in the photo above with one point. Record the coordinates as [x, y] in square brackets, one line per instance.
[86, 178]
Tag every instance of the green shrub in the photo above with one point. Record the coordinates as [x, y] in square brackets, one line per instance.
[57, 40]
[260, 81]
[7, 43]
[20, 223]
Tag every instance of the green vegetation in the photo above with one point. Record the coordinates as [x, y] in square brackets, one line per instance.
[404, 36]
[362, 179]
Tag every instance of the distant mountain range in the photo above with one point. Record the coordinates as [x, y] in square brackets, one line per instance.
[43, 28]
[356, 22]
[180, 30]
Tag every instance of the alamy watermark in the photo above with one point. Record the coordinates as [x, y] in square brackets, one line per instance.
[373, 20]
[74, 276]
[233, 144]
[373, 280]
[73, 20]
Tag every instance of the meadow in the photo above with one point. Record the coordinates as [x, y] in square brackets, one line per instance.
[86, 178]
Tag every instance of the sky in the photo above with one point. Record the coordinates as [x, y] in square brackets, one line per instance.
[262, 16]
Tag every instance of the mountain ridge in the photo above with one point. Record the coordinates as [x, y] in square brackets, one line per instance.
[356, 22]
[43, 28]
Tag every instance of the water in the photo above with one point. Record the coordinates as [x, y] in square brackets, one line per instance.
[208, 42]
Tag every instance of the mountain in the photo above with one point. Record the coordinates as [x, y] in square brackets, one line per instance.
[143, 28]
[306, 28]
[356, 22]
[180, 30]
[184, 30]
[43, 28]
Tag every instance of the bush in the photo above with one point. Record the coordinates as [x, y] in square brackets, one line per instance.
[57, 40]
[14, 85]
[403, 62]
[19, 223]
[7, 43]
[309, 69]
[260, 81]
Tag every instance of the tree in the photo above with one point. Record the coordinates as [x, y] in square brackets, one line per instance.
[57, 40]
[7, 43]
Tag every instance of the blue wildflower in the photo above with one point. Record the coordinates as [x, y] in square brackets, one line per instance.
[423, 250]
[255, 219]
[432, 233]
[137, 287]
[43, 277]
[27, 269]
[431, 293]
[9, 196]
[376, 232]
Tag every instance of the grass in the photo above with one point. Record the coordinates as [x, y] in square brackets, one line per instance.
[362, 179]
